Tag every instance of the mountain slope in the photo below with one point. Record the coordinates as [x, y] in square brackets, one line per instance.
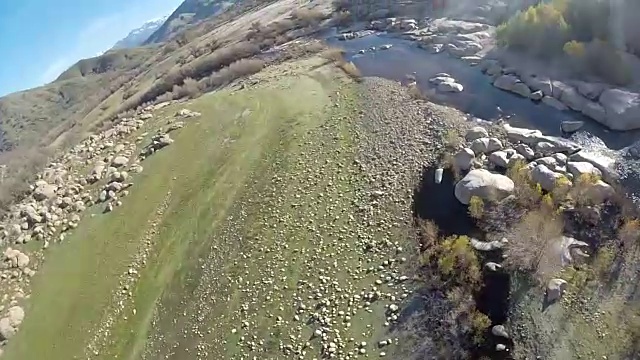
[138, 36]
[189, 12]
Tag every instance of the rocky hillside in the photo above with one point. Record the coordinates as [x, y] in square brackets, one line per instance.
[188, 13]
[138, 36]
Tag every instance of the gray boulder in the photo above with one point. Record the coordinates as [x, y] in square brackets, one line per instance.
[554, 103]
[572, 98]
[594, 111]
[522, 89]
[555, 289]
[525, 151]
[488, 245]
[506, 82]
[45, 191]
[463, 160]
[570, 126]
[591, 91]
[622, 108]
[499, 159]
[604, 164]
[547, 178]
[476, 132]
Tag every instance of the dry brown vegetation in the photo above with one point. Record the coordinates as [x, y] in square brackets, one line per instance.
[336, 56]
[532, 241]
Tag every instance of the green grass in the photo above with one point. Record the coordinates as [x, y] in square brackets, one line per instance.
[267, 195]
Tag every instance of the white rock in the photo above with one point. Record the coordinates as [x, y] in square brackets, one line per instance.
[499, 158]
[119, 161]
[580, 168]
[438, 175]
[480, 146]
[475, 133]
[484, 184]
[450, 87]
[555, 289]
[463, 160]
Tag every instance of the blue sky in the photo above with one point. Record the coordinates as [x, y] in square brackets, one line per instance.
[39, 39]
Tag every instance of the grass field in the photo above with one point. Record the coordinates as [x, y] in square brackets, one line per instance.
[236, 220]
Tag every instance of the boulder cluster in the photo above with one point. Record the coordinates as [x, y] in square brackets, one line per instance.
[617, 109]
[550, 161]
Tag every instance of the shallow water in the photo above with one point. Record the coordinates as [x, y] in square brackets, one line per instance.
[479, 98]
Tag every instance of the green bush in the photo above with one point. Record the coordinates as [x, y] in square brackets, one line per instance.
[575, 49]
[458, 260]
[577, 28]
[540, 30]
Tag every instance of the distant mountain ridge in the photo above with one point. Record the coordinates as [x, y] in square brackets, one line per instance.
[138, 36]
[189, 12]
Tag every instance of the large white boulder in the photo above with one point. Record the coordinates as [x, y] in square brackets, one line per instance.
[582, 168]
[622, 108]
[483, 184]
[452, 87]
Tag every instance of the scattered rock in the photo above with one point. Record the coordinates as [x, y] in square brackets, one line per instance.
[186, 113]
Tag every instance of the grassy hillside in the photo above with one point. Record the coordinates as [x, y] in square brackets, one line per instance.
[111, 61]
[275, 159]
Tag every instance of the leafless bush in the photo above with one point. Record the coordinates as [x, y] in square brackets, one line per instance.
[531, 244]
[234, 71]
[189, 89]
[305, 17]
[350, 69]
[342, 18]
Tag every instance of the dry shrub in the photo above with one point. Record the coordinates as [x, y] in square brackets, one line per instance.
[350, 69]
[457, 262]
[342, 18]
[305, 17]
[579, 192]
[527, 193]
[629, 233]
[532, 242]
[234, 71]
[428, 234]
[189, 89]
[416, 93]
[333, 54]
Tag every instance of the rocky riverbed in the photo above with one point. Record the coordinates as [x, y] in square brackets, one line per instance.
[463, 50]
